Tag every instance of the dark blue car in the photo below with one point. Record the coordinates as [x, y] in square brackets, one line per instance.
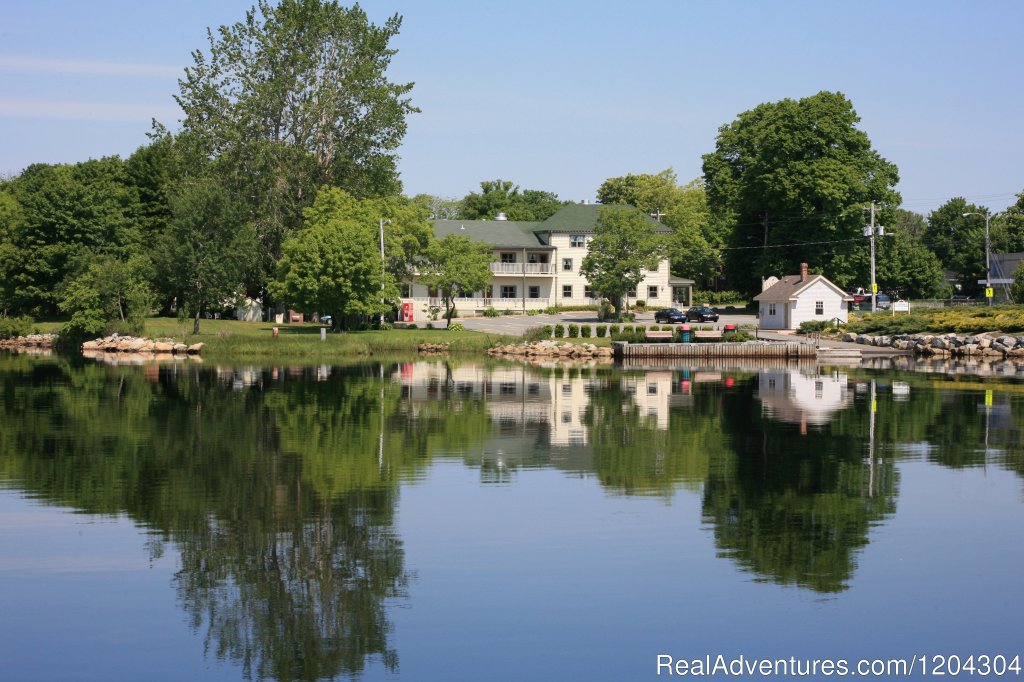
[670, 315]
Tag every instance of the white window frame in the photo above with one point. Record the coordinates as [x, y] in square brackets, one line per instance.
[577, 241]
[652, 292]
[566, 288]
[507, 289]
[567, 265]
[534, 289]
[819, 307]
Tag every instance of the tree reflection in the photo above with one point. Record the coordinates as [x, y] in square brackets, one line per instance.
[794, 503]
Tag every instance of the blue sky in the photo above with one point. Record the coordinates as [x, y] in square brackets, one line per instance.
[561, 95]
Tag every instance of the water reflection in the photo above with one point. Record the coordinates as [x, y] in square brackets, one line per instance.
[279, 486]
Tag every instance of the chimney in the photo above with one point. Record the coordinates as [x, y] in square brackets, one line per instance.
[803, 272]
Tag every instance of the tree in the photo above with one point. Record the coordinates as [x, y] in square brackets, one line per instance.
[441, 208]
[293, 98]
[959, 241]
[334, 264]
[907, 267]
[110, 290]
[649, 193]
[624, 244]
[791, 178]
[503, 196]
[456, 265]
[207, 248]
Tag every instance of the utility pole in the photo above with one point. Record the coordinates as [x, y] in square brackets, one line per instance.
[766, 228]
[871, 231]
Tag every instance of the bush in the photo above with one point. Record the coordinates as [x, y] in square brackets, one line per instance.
[411, 325]
[11, 327]
[614, 330]
[602, 331]
[509, 312]
[430, 325]
[574, 331]
[456, 327]
[606, 311]
[491, 312]
[814, 326]
[719, 298]
[386, 326]
[559, 331]
[533, 311]
[538, 333]
[737, 337]
[640, 305]
[585, 331]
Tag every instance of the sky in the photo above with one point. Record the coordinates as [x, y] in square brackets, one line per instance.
[561, 95]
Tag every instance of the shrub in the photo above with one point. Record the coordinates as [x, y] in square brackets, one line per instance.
[737, 337]
[574, 331]
[491, 312]
[559, 331]
[509, 312]
[814, 326]
[719, 297]
[585, 331]
[411, 325]
[614, 330]
[532, 312]
[606, 311]
[386, 326]
[11, 327]
[602, 331]
[430, 325]
[456, 327]
[640, 305]
[537, 333]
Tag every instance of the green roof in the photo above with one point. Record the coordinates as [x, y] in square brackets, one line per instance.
[509, 233]
[522, 234]
[583, 218]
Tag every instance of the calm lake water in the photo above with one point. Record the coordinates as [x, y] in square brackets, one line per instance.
[435, 520]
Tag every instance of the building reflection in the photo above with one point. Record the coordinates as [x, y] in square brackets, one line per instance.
[557, 400]
[802, 396]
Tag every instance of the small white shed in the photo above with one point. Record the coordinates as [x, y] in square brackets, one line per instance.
[798, 298]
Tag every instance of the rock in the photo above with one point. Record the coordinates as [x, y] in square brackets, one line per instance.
[163, 347]
[179, 348]
[1008, 341]
[195, 348]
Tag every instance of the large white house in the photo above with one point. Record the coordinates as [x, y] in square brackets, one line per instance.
[537, 264]
[786, 303]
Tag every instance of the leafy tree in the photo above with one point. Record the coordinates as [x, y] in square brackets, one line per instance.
[207, 247]
[503, 196]
[293, 98]
[959, 241]
[624, 244]
[796, 173]
[647, 192]
[109, 290]
[456, 265]
[1007, 228]
[334, 264]
[440, 208]
[906, 266]
[1017, 288]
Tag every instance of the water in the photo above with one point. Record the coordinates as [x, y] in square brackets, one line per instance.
[459, 521]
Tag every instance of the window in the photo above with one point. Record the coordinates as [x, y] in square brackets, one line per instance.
[577, 241]
[588, 292]
[652, 389]
[406, 290]
[508, 291]
[566, 389]
[567, 264]
[819, 307]
[566, 291]
[652, 292]
[534, 292]
[771, 309]
[508, 257]
[631, 293]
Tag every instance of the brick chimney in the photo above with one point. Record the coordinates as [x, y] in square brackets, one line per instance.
[803, 272]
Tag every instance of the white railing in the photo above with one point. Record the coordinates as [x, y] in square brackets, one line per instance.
[523, 268]
[483, 303]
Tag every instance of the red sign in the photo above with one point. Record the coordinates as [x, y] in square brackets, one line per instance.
[407, 311]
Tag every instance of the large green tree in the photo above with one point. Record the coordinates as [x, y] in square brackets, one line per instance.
[504, 196]
[334, 265]
[456, 265]
[207, 247]
[791, 178]
[959, 241]
[290, 99]
[624, 245]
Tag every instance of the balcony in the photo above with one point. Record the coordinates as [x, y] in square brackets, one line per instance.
[523, 269]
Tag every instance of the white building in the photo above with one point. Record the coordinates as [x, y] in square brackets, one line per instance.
[537, 264]
[787, 302]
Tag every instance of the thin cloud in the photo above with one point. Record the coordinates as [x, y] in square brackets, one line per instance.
[11, 107]
[25, 64]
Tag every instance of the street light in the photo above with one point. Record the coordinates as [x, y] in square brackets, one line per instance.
[988, 259]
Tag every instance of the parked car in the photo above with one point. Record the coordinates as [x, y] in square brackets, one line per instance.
[702, 314]
[670, 315]
[882, 302]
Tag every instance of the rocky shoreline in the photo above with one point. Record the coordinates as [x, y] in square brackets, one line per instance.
[988, 345]
[30, 342]
[552, 350]
[116, 343]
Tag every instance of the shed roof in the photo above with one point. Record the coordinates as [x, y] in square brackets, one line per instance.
[790, 287]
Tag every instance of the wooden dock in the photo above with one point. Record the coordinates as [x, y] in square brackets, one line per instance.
[787, 351]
